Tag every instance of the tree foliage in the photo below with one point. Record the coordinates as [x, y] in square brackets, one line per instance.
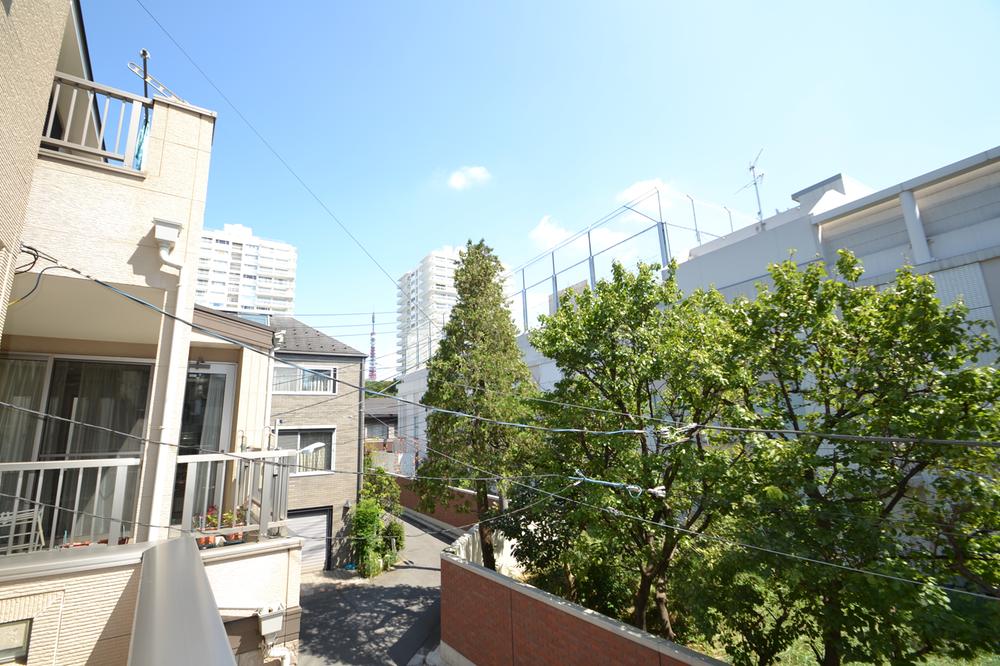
[840, 357]
[637, 352]
[811, 353]
[477, 370]
[387, 386]
[380, 487]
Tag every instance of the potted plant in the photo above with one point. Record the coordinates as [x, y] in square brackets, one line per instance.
[206, 523]
[235, 518]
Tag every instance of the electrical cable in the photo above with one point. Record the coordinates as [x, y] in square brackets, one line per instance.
[286, 362]
[693, 533]
[277, 155]
[38, 281]
[237, 456]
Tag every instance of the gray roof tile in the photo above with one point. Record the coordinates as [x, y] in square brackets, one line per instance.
[305, 339]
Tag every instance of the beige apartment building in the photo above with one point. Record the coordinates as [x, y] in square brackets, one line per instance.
[125, 435]
[319, 414]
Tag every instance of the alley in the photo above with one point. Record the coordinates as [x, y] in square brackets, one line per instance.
[382, 621]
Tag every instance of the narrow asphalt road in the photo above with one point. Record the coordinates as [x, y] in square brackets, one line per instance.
[382, 621]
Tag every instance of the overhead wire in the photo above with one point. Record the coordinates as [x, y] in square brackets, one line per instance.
[237, 455]
[729, 542]
[274, 151]
[628, 206]
[534, 426]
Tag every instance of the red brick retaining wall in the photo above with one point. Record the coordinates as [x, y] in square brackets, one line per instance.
[449, 513]
[491, 620]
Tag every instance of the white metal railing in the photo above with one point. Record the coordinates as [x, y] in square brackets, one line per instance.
[65, 503]
[93, 120]
[250, 487]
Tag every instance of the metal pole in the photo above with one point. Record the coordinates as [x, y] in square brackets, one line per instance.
[694, 216]
[730, 218]
[524, 301]
[661, 232]
[555, 283]
[144, 54]
[590, 262]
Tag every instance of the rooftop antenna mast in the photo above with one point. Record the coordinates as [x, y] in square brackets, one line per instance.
[755, 181]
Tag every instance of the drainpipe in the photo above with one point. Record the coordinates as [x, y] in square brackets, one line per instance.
[161, 461]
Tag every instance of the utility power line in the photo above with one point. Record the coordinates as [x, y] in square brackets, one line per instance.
[682, 427]
[274, 151]
[729, 542]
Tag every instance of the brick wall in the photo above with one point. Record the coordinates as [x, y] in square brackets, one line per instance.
[30, 37]
[491, 620]
[458, 512]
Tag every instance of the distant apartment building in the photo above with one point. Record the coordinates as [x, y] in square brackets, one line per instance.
[426, 296]
[239, 272]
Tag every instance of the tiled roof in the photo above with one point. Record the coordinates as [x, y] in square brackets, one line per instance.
[305, 339]
[376, 406]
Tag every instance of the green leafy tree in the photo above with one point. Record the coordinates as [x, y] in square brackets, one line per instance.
[839, 357]
[638, 353]
[380, 487]
[387, 386]
[477, 370]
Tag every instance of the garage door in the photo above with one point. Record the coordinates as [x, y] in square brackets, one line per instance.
[313, 526]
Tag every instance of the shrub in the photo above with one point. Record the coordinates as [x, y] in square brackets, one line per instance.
[366, 530]
[393, 537]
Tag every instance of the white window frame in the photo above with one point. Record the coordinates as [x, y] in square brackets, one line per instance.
[334, 372]
[299, 430]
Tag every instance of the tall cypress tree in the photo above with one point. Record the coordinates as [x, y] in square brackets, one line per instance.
[478, 370]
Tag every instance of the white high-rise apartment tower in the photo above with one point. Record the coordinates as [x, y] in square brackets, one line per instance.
[238, 272]
[425, 298]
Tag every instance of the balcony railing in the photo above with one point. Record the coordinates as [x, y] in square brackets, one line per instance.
[252, 487]
[95, 121]
[53, 504]
[65, 503]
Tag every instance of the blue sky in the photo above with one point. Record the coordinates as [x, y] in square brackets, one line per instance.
[564, 105]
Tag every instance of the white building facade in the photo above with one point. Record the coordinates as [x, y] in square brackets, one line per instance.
[239, 272]
[945, 223]
[426, 296]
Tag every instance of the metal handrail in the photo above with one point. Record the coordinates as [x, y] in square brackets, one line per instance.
[68, 464]
[244, 455]
[99, 87]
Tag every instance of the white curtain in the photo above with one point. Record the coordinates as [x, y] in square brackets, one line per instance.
[21, 382]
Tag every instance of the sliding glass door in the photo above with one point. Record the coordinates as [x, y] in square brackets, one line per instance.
[100, 409]
[206, 427]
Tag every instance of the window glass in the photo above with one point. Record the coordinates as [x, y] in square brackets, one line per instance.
[286, 379]
[315, 448]
[14, 638]
[21, 382]
[111, 395]
[296, 380]
[317, 380]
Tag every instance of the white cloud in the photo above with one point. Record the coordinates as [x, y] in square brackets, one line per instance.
[713, 218]
[467, 176]
[548, 233]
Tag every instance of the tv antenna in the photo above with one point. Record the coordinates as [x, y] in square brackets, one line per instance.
[149, 80]
[755, 181]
